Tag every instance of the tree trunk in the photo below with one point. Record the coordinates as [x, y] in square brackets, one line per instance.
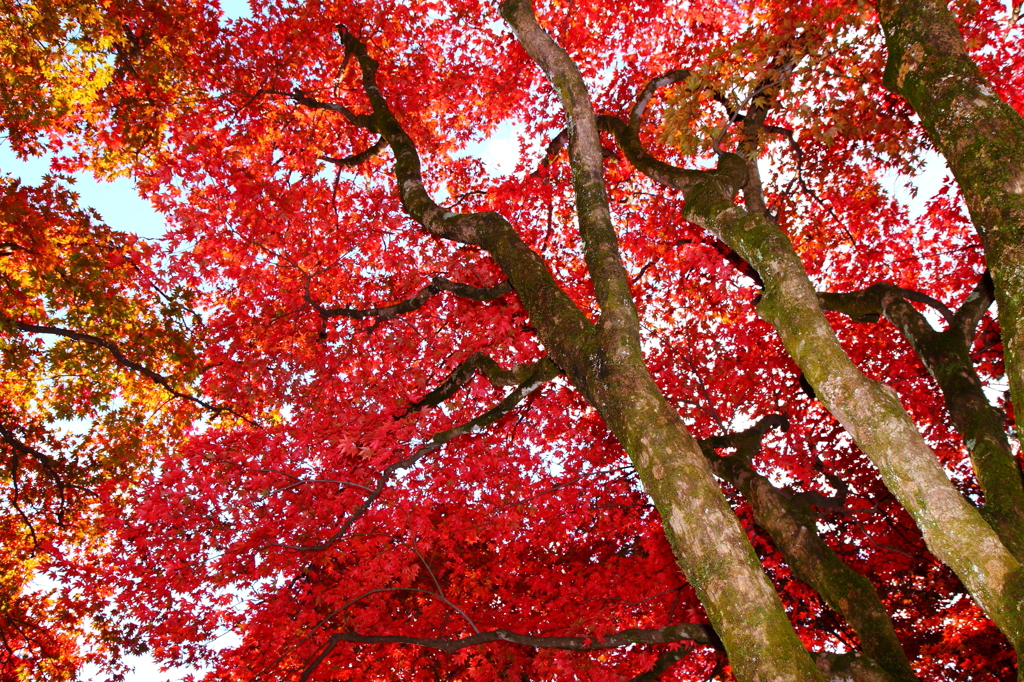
[982, 138]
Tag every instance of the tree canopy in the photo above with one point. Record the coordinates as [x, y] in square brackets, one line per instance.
[710, 386]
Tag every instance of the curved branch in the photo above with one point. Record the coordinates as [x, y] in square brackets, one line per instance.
[643, 99]
[120, 358]
[731, 172]
[543, 371]
[298, 96]
[464, 228]
[973, 308]
[935, 304]
[561, 325]
[357, 159]
[436, 286]
[477, 362]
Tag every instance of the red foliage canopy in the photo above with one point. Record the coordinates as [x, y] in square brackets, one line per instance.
[342, 432]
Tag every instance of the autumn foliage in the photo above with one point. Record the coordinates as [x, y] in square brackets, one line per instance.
[376, 409]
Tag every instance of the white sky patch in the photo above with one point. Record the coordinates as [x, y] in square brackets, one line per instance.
[235, 9]
[500, 151]
[145, 669]
[927, 183]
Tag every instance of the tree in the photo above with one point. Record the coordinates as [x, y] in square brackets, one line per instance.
[88, 325]
[590, 420]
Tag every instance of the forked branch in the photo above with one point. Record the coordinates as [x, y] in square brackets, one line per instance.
[542, 371]
[463, 374]
[946, 355]
[561, 325]
[788, 519]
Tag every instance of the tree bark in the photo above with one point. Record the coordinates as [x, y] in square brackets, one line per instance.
[870, 411]
[982, 139]
[946, 355]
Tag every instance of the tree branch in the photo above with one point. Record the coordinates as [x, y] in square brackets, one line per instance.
[561, 325]
[436, 286]
[464, 228]
[47, 462]
[636, 115]
[357, 159]
[973, 308]
[477, 362]
[834, 666]
[600, 243]
[8, 248]
[543, 371]
[683, 632]
[692, 632]
[120, 358]
[358, 120]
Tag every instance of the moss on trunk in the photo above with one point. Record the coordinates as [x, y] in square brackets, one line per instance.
[982, 139]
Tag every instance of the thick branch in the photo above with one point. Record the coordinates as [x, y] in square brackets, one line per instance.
[792, 527]
[703, 531]
[629, 142]
[600, 243]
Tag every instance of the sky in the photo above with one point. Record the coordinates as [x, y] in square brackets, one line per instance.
[117, 202]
